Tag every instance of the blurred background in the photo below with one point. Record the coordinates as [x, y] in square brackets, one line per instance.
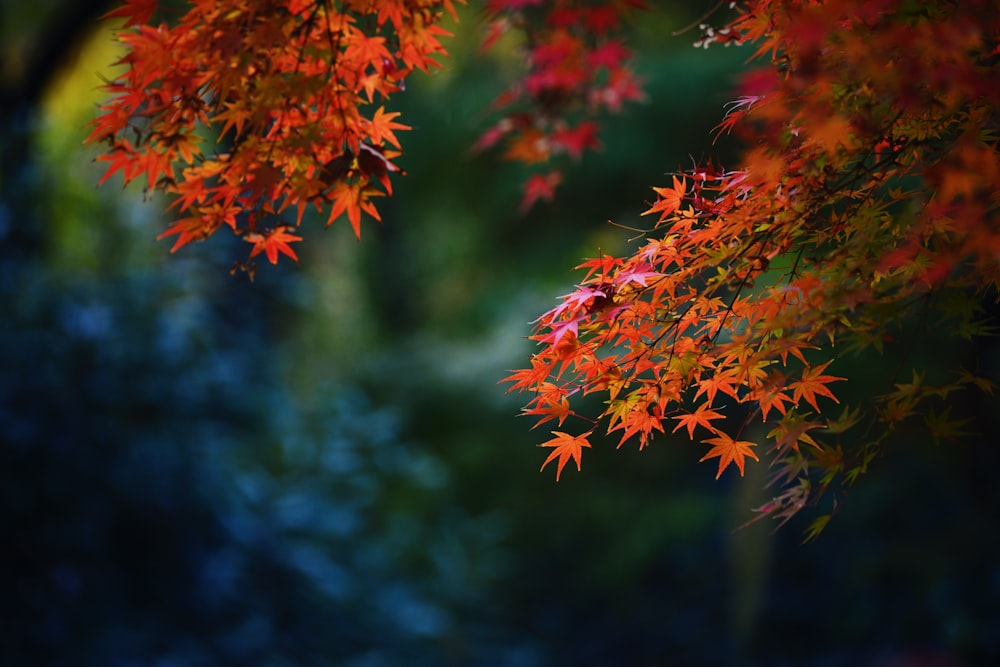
[319, 468]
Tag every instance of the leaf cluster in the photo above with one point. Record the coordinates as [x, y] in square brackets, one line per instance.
[577, 65]
[868, 191]
[247, 113]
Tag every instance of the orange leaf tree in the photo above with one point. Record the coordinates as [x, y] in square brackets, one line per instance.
[867, 191]
[249, 112]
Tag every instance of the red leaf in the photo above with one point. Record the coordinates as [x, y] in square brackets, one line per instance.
[576, 140]
[609, 55]
[540, 186]
[135, 12]
[122, 157]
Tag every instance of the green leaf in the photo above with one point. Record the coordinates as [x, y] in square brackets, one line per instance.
[816, 527]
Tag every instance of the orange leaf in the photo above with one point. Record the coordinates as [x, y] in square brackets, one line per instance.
[352, 198]
[813, 382]
[564, 447]
[718, 381]
[190, 229]
[550, 403]
[530, 147]
[729, 451]
[530, 377]
[638, 420]
[703, 417]
[381, 126]
[669, 199]
[271, 243]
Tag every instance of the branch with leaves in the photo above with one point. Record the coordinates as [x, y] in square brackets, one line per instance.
[247, 113]
[869, 188]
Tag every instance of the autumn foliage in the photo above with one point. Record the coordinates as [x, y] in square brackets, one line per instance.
[577, 65]
[250, 112]
[867, 191]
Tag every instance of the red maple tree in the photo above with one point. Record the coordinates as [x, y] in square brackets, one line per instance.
[869, 188]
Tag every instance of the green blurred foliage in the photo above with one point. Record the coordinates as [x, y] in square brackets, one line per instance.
[319, 468]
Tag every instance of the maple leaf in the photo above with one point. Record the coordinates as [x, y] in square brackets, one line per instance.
[669, 199]
[702, 416]
[576, 140]
[771, 397]
[235, 116]
[495, 29]
[135, 12]
[729, 451]
[271, 243]
[565, 447]
[381, 127]
[560, 329]
[637, 274]
[793, 429]
[985, 385]
[941, 425]
[814, 383]
[373, 161]
[189, 229]
[718, 381]
[638, 420]
[619, 408]
[539, 187]
[576, 61]
[123, 158]
[735, 111]
[352, 198]
[366, 49]
[531, 377]
[550, 403]
[830, 133]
